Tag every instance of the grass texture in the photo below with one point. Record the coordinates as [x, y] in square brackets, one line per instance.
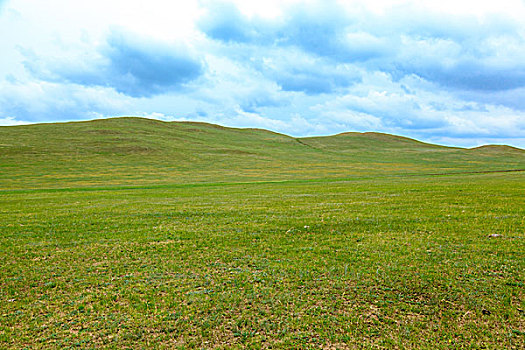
[131, 233]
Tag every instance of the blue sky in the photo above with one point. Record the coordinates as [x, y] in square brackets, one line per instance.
[449, 72]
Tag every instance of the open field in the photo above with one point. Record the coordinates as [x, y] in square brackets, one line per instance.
[338, 242]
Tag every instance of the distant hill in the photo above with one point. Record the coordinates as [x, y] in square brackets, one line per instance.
[138, 151]
[498, 149]
[355, 141]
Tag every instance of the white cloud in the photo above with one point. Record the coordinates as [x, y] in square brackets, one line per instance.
[10, 121]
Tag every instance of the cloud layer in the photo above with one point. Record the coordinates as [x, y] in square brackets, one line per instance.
[311, 67]
[131, 66]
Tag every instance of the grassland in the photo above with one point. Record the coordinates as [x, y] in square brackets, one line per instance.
[130, 233]
[134, 151]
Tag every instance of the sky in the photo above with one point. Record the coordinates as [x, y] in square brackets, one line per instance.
[450, 72]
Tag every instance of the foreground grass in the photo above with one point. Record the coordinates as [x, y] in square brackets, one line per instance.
[382, 262]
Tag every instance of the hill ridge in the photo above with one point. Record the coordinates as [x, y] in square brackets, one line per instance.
[493, 147]
[143, 151]
[371, 134]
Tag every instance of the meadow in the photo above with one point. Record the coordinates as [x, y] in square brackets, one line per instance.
[195, 236]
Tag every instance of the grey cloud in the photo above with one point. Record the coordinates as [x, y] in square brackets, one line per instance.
[57, 102]
[224, 22]
[313, 82]
[492, 64]
[453, 51]
[295, 71]
[510, 98]
[318, 28]
[145, 69]
[253, 103]
[473, 76]
[403, 113]
[131, 66]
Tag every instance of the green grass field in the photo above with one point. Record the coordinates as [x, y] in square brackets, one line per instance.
[132, 233]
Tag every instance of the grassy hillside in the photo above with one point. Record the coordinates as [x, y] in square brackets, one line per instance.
[145, 234]
[133, 151]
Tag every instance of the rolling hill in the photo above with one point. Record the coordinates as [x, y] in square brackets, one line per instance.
[138, 151]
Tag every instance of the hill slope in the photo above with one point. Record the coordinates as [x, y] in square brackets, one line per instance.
[137, 151]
